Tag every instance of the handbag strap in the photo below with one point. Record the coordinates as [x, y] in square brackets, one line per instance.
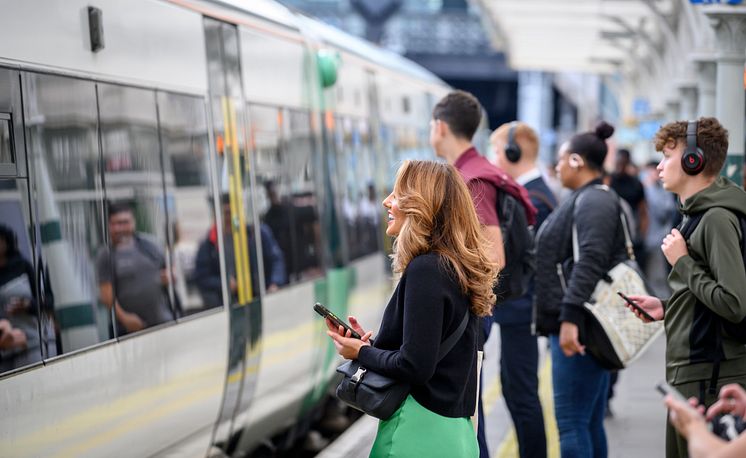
[451, 340]
[627, 238]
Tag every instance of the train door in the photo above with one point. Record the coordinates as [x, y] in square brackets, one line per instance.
[234, 229]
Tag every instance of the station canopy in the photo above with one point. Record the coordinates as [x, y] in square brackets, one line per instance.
[593, 36]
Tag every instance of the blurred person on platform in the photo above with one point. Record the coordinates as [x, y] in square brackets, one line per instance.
[516, 148]
[455, 120]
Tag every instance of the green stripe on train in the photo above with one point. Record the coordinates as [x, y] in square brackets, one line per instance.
[50, 232]
[75, 315]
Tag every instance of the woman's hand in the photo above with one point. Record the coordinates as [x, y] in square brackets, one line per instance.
[347, 346]
[569, 340]
[354, 324]
[650, 304]
[732, 400]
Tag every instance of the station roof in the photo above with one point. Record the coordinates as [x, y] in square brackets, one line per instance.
[594, 36]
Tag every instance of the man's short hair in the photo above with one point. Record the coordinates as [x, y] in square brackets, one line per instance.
[712, 139]
[523, 135]
[461, 111]
[116, 208]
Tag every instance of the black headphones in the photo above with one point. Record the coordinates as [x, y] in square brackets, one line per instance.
[693, 159]
[512, 150]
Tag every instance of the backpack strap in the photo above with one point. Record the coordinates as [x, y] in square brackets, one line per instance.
[451, 340]
[542, 197]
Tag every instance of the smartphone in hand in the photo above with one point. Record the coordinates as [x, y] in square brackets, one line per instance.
[326, 313]
[665, 389]
[635, 306]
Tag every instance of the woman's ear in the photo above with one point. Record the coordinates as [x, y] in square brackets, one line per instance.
[575, 161]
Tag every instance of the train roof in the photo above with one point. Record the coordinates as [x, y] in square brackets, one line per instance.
[281, 15]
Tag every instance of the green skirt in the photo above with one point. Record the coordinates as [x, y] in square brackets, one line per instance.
[413, 431]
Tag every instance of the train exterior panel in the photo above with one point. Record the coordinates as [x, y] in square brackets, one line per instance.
[254, 188]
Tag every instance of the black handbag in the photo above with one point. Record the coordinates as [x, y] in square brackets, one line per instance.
[377, 395]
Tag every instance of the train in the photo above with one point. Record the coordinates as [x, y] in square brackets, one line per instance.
[251, 147]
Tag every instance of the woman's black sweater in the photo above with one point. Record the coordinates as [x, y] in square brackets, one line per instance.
[426, 307]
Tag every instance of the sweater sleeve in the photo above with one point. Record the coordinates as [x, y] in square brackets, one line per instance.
[424, 300]
[597, 223]
[719, 285]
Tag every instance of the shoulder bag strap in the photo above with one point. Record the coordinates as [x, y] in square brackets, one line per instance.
[627, 238]
[451, 340]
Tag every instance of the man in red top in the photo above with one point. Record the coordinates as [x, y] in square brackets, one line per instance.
[455, 119]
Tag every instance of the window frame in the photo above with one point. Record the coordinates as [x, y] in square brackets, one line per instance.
[9, 169]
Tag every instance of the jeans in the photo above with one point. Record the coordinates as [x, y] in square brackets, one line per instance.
[580, 388]
[519, 361]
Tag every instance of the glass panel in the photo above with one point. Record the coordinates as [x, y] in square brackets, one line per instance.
[63, 143]
[20, 343]
[288, 204]
[189, 200]
[6, 151]
[361, 207]
[235, 210]
[133, 267]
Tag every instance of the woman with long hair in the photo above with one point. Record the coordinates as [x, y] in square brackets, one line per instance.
[446, 275]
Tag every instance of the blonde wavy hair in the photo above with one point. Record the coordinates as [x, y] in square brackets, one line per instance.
[441, 218]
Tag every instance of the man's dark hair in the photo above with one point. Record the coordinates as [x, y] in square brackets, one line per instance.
[592, 145]
[712, 139]
[461, 111]
[120, 207]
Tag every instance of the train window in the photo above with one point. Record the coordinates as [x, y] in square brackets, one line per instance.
[133, 271]
[21, 344]
[189, 198]
[361, 207]
[63, 144]
[288, 205]
[6, 148]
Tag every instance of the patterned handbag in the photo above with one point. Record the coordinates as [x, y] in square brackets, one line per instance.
[613, 334]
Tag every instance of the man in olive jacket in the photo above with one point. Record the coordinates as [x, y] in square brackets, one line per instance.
[708, 277]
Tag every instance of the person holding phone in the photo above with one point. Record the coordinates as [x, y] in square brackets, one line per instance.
[689, 421]
[708, 276]
[446, 273]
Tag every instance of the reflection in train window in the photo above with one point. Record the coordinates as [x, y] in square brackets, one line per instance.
[6, 150]
[133, 272]
[188, 195]
[288, 207]
[361, 207]
[20, 307]
[63, 144]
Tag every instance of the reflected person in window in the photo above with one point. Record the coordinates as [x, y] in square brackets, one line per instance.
[133, 280]
[19, 335]
[207, 264]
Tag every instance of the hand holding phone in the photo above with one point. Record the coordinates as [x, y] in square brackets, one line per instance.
[665, 389]
[634, 305]
[326, 313]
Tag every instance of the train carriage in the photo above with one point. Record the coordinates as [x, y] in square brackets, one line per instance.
[252, 147]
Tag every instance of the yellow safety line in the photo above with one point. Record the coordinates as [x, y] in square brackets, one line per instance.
[509, 446]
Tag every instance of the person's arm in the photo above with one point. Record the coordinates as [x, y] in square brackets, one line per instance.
[131, 321]
[718, 285]
[484, 196]
[701, 443]
[416, 359]
[205, 276]
[275, 260]
[597, 220]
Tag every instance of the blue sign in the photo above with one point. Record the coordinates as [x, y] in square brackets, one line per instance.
[647, 129]
[641, 107]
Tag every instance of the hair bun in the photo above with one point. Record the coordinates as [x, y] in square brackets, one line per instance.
[604, 130]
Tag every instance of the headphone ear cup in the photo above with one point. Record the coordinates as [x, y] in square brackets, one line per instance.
[692, 162]
[513, 152]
